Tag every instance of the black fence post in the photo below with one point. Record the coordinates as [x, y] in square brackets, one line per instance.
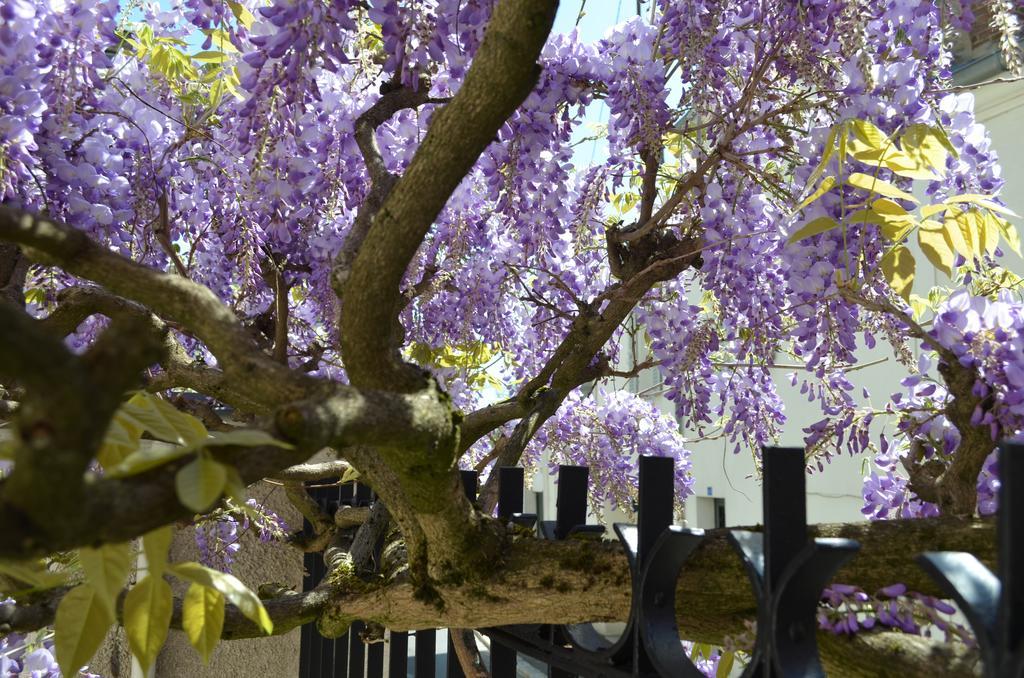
[994, 606]
[787, 571]
[510, 501]
[375, 660]
[426, 641]
[398, 654]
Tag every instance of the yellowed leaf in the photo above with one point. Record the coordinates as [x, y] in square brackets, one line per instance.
[898, 266]
[878, 186]
[936, 245]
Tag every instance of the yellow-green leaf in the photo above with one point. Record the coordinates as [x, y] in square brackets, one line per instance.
[879, 186]
[244, 16]
[200, 483]
[164, 421]
[898, 266]
[349, 475]
[824, 187]
[989, 232]
[725, 664]
[220, 39]
[245, 437]
[936, 245]
[147, 616]
[121, 440]
[157, 544]
[963, 230]
[812, 228]
[210, 57]
[31, 572]
[247, 602]
[983, 200]
[921, 143]
[869, 134]
[149, 457]
[79, 627]
[202, 617]
[234, 487]
[35, 295]
[928, 211]
[106, 570]
[827, 152]
[1009, 232]
[895, 220]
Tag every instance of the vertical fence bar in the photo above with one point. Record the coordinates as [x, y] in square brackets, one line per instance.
[426, 642]
[571, 501]
[398, 654]
[375, 660]
[570, 511]
[356, 652]
[656, 501]
[510, 500]
[510, 491]
[785, 509]
[1010, 620]
[306, 634]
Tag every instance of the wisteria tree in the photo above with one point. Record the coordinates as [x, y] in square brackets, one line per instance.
[359, 225]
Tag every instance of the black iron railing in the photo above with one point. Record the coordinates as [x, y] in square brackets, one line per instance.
[787, 572]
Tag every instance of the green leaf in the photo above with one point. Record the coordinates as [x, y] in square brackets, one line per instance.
[202, 617]
[725, 665]
[898, 266]
[936, 245]
[826, 185]
[983, 200]
[349, 475]
[31, 572]
[209, 57]
[200, 483]
[121, 440]
[870, 135]
[147, 458]
[928, 211]
[234, 486]
[921, 143]
[919, 305]
[79, 628]
[106, 570]
[147, 617]
[164, 421]
[812, 228]
[244, 16]
[247, 602]
[879, 186]
[988, 232]
[826, 155]
[962, 228]
[245, 437]
[1009, 232]
[895, 220]
[35, 296]
[157, 544]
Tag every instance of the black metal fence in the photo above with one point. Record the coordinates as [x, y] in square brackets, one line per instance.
[787, 572]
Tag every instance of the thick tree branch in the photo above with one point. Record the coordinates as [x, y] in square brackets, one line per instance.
[503, 72]
[191, 306]
[13, 267]
[578, 580]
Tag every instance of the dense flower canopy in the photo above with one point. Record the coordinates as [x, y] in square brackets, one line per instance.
[237, 163]
[221, 140]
